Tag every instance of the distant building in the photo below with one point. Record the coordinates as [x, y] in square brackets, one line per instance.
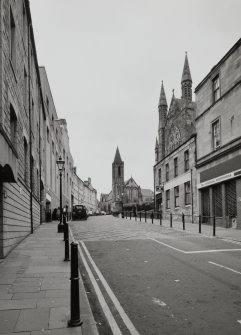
[218, 124]
[147, 195]
[124, 194]
[175, 149]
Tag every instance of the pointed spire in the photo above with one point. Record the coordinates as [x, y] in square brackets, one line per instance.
[117, 156]
[162, 100]
[186, 74]
[156, 143]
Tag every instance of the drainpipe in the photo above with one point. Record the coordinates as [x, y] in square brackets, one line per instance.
[192, 196]
[30, 134]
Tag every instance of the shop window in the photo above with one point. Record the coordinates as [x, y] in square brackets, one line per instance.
[176, 196]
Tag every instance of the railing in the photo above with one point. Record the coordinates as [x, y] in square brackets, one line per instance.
[180, 220]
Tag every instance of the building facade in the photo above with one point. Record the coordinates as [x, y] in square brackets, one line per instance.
[218, 124]
[21, 117]
[32, 138]
[175, 150]
[84, 193]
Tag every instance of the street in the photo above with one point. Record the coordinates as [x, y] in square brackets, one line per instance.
[148, 279]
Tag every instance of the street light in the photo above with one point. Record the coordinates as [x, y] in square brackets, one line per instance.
[60, 164]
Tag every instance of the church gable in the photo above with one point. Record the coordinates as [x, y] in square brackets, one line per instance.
[131, 183]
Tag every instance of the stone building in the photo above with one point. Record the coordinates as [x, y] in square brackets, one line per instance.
[84, 193]
[175, 149]
[32, 137]
[218, 124]
[21, 116]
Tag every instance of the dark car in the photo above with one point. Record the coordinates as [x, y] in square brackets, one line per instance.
[79, 212]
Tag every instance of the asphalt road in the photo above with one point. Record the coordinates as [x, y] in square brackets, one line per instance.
[147, 279]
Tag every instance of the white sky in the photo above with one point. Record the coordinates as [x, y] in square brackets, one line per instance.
[105, 60]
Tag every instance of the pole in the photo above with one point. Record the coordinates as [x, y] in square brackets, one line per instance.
[66, 241]
[183, 221]
[214, 226]
[60, 225]
[171, 220]
[75, 320]
[140, 215]
[160, 217]
[152, 216]
[145, 216]
[200, 223]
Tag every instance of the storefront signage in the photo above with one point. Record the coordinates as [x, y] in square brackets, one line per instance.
[219, 179]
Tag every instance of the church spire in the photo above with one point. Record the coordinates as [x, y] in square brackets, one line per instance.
[186, 81]
[162, 100]
[117, 158]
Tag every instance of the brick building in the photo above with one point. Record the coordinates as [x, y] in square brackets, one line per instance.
[174, 170]
[218, 124]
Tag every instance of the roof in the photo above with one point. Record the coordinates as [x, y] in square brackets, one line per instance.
[131, 182]
[186, 74]
[162, 100]
[117, 158]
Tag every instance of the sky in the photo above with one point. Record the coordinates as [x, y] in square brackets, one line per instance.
[105, 61]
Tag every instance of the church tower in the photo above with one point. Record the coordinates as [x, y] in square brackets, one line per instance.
[162, 108]
[117, 180]
[186, 82]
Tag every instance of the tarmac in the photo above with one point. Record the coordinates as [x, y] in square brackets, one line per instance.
[35, 282]
[35, 288]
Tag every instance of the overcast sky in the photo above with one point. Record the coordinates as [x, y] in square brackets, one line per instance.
[105, 60]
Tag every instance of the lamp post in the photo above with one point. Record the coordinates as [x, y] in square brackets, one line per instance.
[60, 164]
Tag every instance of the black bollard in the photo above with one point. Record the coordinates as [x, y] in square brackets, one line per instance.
[75, 320]
[130, 215]
[152, 216]
[171, 220]
[145, 216]
[200, 223]
[183, 221]
[66, 241]
[214, 226]
[140, 216]
[126, 215]
[160, 218]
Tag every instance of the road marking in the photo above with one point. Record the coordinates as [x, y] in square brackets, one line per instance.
[113, 325]
[115, 301]
[192, 252]
[239, 321]
[158, 302]
[167, 245]
[224, 267]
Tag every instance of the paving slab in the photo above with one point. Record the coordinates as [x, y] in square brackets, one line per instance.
[8, 320]
[57, 293]
[59, 317]
[32, 319]
[25, 295]
[16, 304]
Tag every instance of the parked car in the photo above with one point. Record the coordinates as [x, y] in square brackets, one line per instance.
[79, 212]
[90, 213]
[102, 212]
[97, 212]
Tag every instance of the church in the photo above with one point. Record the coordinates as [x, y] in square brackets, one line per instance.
[124, 194]
[175, 149]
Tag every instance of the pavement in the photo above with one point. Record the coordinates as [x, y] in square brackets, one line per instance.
[35, 288]
[35, 285]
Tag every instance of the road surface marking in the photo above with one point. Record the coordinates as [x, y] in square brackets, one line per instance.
[113, 325]
[225, 267]
[167, 245]
[239, 321]
[158, 302]
[192, 252]
[115, 301]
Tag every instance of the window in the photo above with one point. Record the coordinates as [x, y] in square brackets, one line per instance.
[168, 199]
[187, 190]
[186, 160]
[12, 40]
[216, 88]
[167, 172]
[160, 176]
[216, 134]
[13, 126]
[176, 196]
[175, 167]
